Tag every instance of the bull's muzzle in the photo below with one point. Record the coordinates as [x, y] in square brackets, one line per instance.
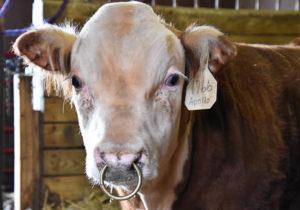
[120, 198]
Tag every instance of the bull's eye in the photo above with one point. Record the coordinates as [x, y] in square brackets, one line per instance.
[172, 80]
[76, 82]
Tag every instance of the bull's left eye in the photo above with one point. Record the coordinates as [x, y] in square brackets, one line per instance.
[76, 82]
[172, 80]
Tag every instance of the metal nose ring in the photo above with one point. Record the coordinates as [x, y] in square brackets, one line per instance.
[126, 197]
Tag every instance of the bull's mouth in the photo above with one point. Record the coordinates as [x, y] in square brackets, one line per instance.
[125, 177]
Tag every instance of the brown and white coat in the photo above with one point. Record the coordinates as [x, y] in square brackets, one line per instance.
[129, 72]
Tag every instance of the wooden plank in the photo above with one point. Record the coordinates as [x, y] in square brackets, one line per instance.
[235, 21]
[57, 110]
[64, 162]
[86, 11]
[62, 136]
[263, 39]
[248, 22]
[28, 147]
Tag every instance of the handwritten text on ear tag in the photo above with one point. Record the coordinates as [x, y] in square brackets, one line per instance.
[201, 92]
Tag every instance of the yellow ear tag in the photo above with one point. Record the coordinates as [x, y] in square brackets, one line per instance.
[201, 92]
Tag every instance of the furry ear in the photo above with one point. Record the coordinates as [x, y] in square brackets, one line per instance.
[48, 47]
[205, 43]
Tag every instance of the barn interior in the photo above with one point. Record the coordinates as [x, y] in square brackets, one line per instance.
[41, 149]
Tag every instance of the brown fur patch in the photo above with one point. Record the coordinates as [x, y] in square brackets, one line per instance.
[206, 44]
[239, 145]
[120, 116]
[125, 14]
[170, 44]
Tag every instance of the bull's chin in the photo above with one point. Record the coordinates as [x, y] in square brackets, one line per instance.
[121, 177]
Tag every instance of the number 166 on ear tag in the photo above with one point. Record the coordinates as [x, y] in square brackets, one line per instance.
[201, 91]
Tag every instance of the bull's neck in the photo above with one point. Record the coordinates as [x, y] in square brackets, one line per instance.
[161, 193]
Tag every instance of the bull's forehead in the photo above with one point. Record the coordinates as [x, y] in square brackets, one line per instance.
[126, 43]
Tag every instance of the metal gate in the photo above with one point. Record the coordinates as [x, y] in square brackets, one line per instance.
[230, 4]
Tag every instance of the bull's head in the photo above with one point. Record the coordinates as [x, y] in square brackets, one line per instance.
[128, 71]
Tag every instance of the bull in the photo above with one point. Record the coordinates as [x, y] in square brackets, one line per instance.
[210, 124]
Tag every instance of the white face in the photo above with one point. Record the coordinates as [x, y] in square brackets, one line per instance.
[127, 74]
[127, 71]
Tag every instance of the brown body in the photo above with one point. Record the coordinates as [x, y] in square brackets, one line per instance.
[245, 150]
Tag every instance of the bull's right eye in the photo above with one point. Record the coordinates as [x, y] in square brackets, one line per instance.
[76, 82]
[172, 80]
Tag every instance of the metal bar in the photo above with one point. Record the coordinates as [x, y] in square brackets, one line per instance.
[17, 170]
[153, 2]
[196, 5]
[174, 3]
[24, 10]
[297, 5]
[1, 118]
[237, 4]
[216, 4]
[277, 5]
[256, 5]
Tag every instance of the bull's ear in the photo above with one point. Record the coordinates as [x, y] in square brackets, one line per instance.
[49, 48]
[206, 44]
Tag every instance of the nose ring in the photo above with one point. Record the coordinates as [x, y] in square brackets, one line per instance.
[126, 197]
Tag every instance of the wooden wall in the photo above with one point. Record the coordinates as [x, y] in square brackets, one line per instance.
[263, 26]
[63, 150]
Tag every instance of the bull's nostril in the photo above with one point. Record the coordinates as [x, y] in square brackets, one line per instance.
[139, 164]
[98, 155]
[100, 165]
[102, 154]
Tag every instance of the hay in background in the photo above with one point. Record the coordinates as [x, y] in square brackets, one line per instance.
[93, 201]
